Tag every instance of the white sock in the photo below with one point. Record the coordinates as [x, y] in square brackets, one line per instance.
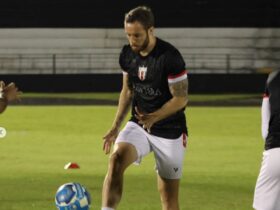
[107, 208]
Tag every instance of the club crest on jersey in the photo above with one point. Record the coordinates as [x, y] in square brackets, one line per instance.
[142, 72]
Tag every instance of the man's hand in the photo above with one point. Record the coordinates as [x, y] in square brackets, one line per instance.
[146, 120]
[109, 139]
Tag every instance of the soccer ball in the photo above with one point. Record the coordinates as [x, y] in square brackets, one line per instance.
[72, 196]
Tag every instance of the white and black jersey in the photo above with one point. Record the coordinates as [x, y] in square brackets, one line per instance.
[149, 78]
[271, 110]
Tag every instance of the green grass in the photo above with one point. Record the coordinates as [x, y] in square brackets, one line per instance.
[220, 168]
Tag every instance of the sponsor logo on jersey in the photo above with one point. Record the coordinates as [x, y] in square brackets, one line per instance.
[146, 91]
[142, 72]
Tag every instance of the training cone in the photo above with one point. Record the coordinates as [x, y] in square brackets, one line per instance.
[71, 166]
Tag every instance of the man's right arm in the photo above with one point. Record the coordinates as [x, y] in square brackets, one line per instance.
[124, 103]
[123, 108]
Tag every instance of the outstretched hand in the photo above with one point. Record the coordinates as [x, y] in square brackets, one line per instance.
[147, 120]
[109, 139]
[9, 92]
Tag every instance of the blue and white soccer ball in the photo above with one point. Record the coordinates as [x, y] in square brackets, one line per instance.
[72, 196]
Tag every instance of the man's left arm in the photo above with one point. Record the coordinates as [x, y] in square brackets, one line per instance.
[179, 91]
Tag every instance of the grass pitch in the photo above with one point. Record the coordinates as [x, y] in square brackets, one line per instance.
[220, 168]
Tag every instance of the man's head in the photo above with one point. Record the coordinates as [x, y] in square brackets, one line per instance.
[139, 25]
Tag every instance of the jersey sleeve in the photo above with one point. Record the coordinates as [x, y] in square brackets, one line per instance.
[265, 114]
[122, 60]
[175, 66]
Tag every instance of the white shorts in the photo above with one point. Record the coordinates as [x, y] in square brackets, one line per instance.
[169, 153]
[267, 191]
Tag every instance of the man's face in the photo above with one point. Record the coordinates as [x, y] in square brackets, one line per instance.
[137, 35]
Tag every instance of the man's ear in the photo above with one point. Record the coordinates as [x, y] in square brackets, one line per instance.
[151, 30]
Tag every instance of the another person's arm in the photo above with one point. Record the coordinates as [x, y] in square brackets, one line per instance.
[3, 101]
[7, 94]
[265, 113]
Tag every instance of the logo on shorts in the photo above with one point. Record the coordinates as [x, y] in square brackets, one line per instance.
[176, 169]
[142, 72]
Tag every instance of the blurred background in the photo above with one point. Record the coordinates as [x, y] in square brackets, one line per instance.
[228, 46]
[65, 53]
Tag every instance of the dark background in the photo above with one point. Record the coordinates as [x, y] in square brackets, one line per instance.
[198, 83]
[110, 13]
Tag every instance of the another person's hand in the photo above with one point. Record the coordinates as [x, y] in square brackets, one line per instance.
[10, 92]
[2, 86]
[109, 139]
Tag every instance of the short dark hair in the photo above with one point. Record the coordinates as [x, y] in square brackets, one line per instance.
[143, 14]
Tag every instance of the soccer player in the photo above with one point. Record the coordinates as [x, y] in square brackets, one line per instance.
[7, 94]
[155, 82]
[267, 191]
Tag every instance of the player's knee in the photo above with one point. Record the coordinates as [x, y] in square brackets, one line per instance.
[116, 164]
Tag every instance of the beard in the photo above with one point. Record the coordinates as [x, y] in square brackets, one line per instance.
[143, 46]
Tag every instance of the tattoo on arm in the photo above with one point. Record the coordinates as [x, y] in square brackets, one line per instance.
[179, 89]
